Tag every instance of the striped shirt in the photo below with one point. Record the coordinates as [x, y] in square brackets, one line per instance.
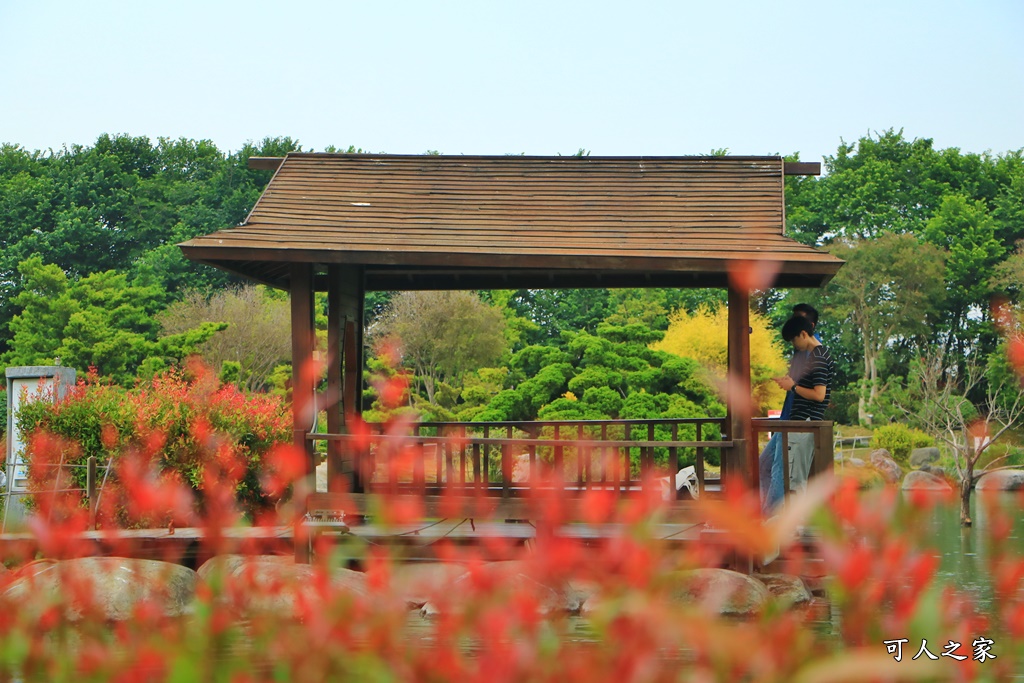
[817, 369]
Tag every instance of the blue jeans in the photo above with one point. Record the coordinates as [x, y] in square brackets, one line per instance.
[770, 468]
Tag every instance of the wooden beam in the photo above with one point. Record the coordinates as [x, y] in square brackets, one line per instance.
[482, 506]
[265, 163]
[801, 168]
[799, 259]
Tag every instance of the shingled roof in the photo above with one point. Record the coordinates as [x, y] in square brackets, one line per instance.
[467, 222]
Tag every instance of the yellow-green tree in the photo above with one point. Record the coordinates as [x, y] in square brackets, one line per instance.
[703, 336]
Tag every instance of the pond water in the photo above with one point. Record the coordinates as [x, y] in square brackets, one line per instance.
[963, 563]
[965, 552]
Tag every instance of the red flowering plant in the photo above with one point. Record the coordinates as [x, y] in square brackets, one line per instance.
[175, 430]
[589, 586]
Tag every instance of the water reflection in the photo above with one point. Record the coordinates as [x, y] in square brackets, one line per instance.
[965, 553]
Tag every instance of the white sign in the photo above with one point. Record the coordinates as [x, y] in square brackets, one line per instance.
[24, 385]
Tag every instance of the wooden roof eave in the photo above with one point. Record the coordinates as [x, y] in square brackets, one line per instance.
[385, 271]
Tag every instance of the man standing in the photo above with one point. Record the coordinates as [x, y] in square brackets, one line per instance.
[810, 381]
[811, 313]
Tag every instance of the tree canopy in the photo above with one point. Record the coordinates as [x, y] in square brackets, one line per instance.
[89, 263]
[101, 321]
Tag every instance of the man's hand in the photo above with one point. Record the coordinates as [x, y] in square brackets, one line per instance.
[785, 382]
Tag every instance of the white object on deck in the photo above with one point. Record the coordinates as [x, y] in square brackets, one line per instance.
[685, 477]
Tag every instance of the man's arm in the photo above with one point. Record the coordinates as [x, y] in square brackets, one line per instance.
[816, 394]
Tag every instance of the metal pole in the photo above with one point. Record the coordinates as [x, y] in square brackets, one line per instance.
[90, 489]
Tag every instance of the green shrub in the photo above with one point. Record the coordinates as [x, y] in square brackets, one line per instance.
[900, 440]
[842, 407]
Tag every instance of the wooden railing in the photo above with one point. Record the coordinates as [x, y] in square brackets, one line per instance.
[823, 462]
[505, 458]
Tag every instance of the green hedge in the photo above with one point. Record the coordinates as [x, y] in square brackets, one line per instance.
[900, 440]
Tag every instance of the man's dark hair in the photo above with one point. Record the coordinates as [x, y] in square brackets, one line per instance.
[795, 325]
[808, 311]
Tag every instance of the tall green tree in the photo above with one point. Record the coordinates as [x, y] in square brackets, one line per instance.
[102, 320]
[966, 231]
[442, 335]
[884, 183]
[257, 335]
[890, 289]
[555, 311]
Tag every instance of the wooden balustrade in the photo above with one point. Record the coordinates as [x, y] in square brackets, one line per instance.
[823, 462]
[506, 458]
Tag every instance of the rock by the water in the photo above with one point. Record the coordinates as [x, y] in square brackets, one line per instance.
[583, 591]
[34, 567]
[786, 588]
[882, 461]
[516, 577]
[225, 565]
[349, 580]
[1001, 480]
[116, 585]
[421, 582]
[925, 481]
[726, 591]
[933, 469]
[866, 477]
[924, 456]
[592, 604]
[281, 588]
[855, 462]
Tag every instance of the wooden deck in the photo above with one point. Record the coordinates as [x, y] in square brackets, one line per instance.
[493, 540]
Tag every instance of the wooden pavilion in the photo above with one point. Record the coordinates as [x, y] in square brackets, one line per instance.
[347, 224]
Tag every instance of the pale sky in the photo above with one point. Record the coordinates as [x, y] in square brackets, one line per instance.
[479, 77]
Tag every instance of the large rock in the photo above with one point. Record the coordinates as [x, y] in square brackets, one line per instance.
[108, 587]
[421, 582]
[1001, 480]
[516, 577]
[723, 590]
[882, 461]
[223, 566]
[924, 456]
[924, 481]
[866, 477]
[282, 589]
[34, 567]
[785, 588]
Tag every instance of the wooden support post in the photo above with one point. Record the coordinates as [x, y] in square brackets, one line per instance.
[303, 386]
[824, 455]
[334, 404]
[345, 299]
[742, 461]
[303, 368]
